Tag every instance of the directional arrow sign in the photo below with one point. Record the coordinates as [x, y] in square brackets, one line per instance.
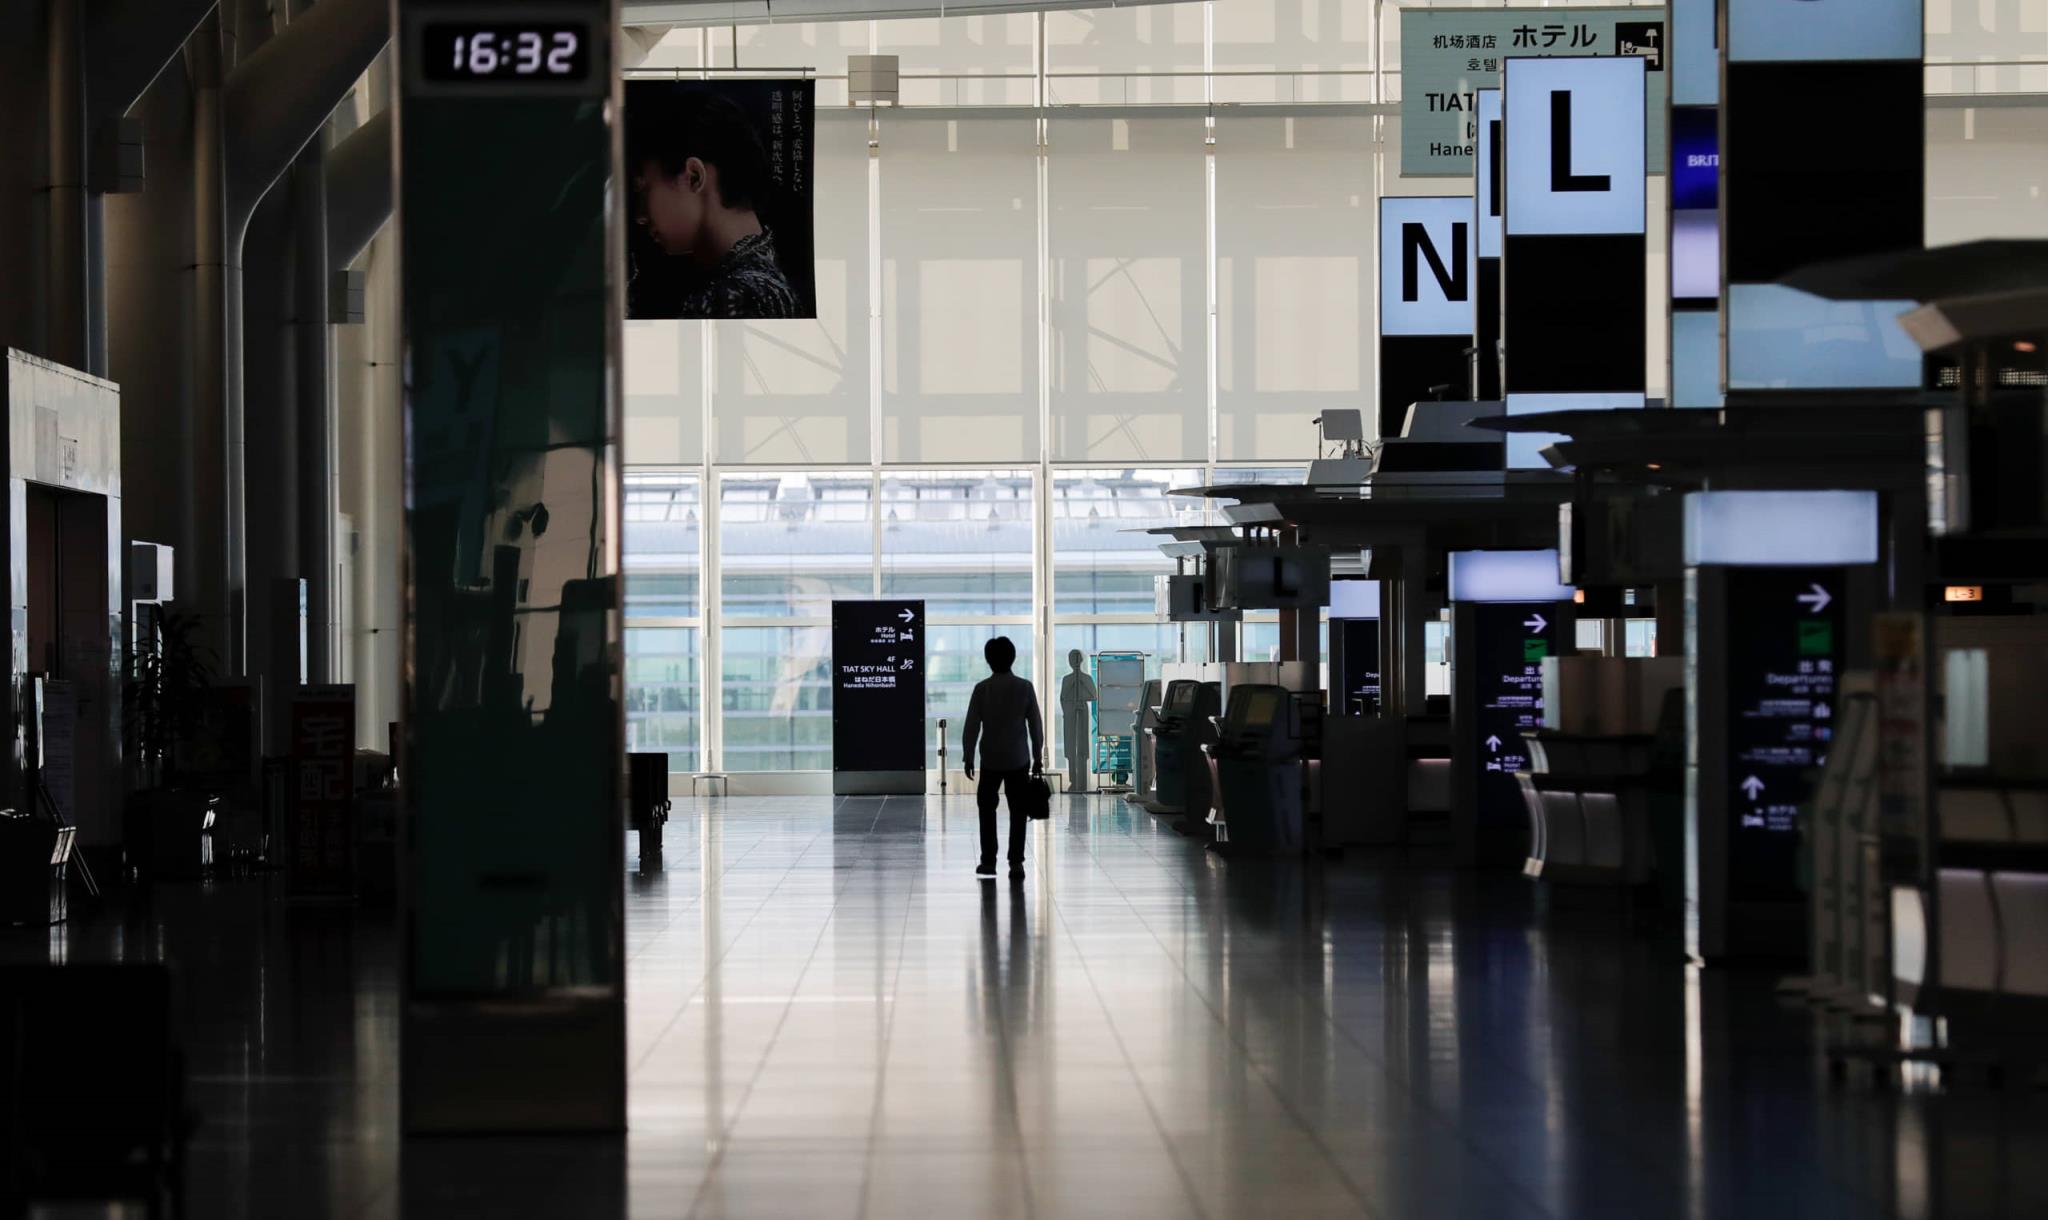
[1536, 622]
[908, 617]
[1493, 743]
[1752, 786]
[1817, 600]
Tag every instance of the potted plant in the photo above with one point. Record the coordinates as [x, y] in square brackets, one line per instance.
[168, 679]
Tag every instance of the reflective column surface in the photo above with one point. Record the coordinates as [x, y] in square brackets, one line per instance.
[830, 1017]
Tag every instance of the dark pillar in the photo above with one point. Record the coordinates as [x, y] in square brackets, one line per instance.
[514, 1012]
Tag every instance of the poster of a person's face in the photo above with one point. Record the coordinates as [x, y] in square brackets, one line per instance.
[720, 172]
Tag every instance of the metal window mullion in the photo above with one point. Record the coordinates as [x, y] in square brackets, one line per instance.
[710, 647]
[1212, 369]
[1041, 496]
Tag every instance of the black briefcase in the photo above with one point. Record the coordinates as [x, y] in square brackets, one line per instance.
[1035, 797]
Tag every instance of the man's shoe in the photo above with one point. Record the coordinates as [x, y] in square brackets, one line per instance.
[1016, 872]
[986, 872]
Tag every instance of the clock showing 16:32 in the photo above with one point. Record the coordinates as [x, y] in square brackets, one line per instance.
[504, 51]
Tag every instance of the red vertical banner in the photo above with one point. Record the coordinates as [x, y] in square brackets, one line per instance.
[320, 845]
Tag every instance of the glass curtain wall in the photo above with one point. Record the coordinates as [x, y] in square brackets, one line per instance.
[962, 540]
[663, 549]
[1091, 257]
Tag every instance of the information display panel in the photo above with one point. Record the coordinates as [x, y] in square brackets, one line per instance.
[878, 697]
[1491, 225]
[1509, 643]
[1784, 656]
[1360, 642]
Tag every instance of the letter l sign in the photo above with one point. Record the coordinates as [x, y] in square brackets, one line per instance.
[1561, 177]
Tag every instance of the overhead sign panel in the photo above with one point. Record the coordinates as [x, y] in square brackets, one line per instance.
[1507, 576]
[1488, 184]
[1449, 55]
[1811, 31]
[1695, 52]
[1426, 265]
[1575, 160]
[1775, 528]
[1788, 201]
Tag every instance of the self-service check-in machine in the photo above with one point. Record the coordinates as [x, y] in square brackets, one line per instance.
[1187, 726]
[1143, 730]
[1259, 752]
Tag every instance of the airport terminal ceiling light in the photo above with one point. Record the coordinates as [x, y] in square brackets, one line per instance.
[693, 13]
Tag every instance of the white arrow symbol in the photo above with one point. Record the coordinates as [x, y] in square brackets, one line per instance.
[1493, 743]
[1816, 601]
[1535, 622]
[907, 616]
[1752, 786]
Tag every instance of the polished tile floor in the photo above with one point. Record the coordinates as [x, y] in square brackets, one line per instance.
[829, 1017]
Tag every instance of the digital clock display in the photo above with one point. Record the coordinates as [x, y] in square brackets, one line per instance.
[505, 51]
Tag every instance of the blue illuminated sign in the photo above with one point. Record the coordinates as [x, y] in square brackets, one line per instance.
[1488, 185]
[1812, 31]
[1695, 159]
[1426, 265]
[1575, 160]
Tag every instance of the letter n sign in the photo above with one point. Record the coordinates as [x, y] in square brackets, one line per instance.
[1426, 265]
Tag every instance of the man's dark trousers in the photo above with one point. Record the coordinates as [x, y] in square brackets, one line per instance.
[1011, 785]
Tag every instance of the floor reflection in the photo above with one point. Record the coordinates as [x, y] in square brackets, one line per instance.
[830, 1016]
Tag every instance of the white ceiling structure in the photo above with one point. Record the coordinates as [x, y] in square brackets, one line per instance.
[761, 12]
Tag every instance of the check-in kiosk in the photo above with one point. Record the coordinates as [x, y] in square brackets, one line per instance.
[1146, 788]
[1259, 752]
[1187, 725]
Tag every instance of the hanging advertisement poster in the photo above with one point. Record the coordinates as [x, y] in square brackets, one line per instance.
[1448, 55]
[721, 178]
